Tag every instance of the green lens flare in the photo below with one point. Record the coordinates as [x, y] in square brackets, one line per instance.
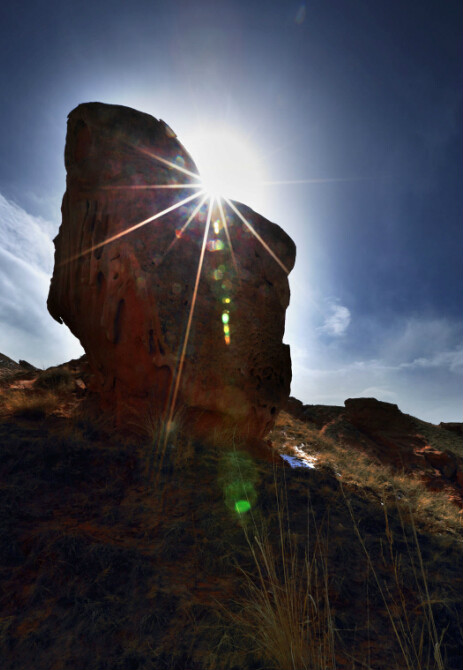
[225, 317]
[238, 479]
[242, 506]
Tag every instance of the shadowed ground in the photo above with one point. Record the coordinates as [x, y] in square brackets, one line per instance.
[105, 567]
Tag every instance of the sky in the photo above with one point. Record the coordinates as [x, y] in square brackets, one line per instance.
[350, 112]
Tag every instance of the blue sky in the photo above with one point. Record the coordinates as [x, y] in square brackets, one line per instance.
[362, 101]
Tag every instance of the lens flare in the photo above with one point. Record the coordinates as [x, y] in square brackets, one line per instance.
[239, 492]
[256, 234]
[242, 506]
[238, 479]
[134, 227]
[215, 245]
[228, 164]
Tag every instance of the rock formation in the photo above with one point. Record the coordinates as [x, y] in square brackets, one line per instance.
[394, 439]
[152, 340]
[9, 367]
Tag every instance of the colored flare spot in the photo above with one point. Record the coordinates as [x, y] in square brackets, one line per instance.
[178, 233]
[217, 274]
[237, 478]
[242, 506]
[215, 245]
[227, 339]
[239, 490]
[225, 317]
[226, 300]
[226, 330]
[216, 226]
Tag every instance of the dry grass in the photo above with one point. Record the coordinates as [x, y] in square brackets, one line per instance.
[418, 637]
[379, 482]
[161, 439]
[59, 378]
[28, 405]
[286, 612]
[152, 571]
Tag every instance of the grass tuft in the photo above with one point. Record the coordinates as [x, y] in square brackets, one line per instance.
[59, 378]
[27, 405]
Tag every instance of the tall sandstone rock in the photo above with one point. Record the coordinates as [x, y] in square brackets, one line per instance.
[128, 298]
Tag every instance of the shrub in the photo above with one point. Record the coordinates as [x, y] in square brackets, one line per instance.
[54, 378]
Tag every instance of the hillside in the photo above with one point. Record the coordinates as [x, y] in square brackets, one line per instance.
[130, 551]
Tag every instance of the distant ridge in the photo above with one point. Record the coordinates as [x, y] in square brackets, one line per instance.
[8, 365]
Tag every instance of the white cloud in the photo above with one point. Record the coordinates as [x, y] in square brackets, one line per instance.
[416, 363]
[452, 360]
[27, 331]
[337, 320]
[25, 236]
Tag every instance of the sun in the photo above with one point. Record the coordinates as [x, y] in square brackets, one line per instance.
[228, 164]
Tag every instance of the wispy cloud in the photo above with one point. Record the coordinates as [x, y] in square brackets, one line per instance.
[26, 237]
[336, 321]
[416, 363]
[27, 330]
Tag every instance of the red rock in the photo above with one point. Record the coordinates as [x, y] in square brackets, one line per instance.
[320, 415]
[372, 415]
[443, 461]
[382, 431]
[129, 299]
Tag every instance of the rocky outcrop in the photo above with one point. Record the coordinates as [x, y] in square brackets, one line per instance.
[373, 415]
[157, 332]
[395, 439]
[319, 415]
[9, 367]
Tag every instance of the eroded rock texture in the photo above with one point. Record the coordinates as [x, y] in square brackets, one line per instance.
[129, 300]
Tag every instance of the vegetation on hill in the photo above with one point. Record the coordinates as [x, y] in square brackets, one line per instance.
[159, 552]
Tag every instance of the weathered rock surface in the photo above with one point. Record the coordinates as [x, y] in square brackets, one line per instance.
[129, 300]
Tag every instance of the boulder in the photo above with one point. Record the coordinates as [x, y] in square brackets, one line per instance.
[443, 461]
[173, 319]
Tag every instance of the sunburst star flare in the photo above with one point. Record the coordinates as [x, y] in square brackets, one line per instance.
[178, 298]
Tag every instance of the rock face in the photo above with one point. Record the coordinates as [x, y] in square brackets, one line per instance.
[156, 330]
